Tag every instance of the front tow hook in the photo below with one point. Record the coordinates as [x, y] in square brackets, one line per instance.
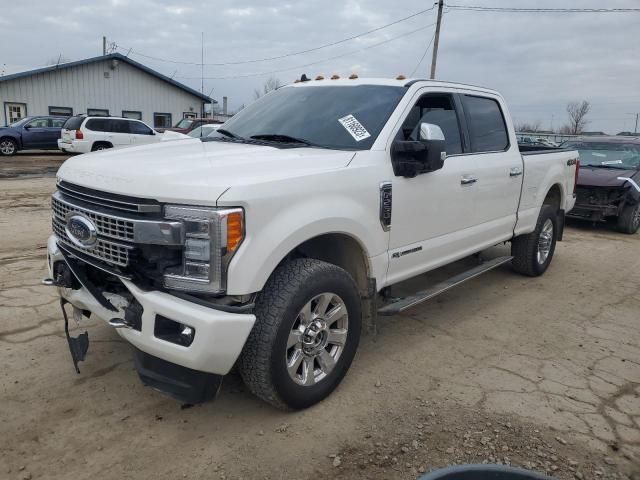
[121, 323]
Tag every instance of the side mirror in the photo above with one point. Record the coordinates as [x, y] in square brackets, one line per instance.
[414, 157]
[27, 127]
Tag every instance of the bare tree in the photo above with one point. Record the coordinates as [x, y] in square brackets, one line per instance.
[532, 127]
[272, 83]
[577, 116]
[57, 60]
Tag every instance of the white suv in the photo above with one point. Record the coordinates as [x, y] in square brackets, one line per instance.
[82, 134]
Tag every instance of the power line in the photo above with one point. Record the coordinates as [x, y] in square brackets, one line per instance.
[297, 67]
[480, 8]
[278, 57]
[424, 54]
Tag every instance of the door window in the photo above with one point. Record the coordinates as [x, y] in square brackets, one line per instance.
[120, 126]
[438, 110]
[57, 122]
[162, 120]
[139, 128]
[487, 128]
[38, 123]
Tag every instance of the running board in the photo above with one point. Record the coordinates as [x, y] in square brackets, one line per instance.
[402, 304]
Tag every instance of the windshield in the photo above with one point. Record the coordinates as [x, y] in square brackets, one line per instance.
[184, 123]
[337, 117]
[607, 155]
[22, 121]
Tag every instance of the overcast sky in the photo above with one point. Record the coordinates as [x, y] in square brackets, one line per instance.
[538, 61]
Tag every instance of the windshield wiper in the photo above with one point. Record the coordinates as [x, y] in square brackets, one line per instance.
[616, 167]
[227, 133]
[276, 137]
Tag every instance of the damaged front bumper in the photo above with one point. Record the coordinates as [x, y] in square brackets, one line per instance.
[189, 372]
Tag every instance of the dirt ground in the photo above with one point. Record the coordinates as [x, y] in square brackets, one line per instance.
[537, 372]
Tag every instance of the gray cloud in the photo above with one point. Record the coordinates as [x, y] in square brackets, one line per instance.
[539, 62]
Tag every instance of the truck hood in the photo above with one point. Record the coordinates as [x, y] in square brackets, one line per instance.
[192, 171]
[603, 177]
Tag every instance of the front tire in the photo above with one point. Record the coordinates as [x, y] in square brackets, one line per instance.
[629, 219]
[532, 253]
[8, 147]
[307, 330]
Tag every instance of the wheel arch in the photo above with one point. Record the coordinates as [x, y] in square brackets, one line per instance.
[555, 196]
[14, 138]
[101, 142]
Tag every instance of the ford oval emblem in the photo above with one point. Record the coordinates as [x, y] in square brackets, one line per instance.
[81, 231]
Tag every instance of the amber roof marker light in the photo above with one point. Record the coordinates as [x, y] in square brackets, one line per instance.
[353, 76]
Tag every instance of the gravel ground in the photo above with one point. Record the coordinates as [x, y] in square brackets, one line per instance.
[542, 373]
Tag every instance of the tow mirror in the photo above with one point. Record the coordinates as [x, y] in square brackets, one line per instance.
[414, 157]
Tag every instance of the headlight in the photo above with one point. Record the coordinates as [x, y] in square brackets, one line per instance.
[212, 236]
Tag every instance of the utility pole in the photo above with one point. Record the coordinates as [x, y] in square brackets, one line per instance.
[434, 57]
[635, 130]
[104, 45]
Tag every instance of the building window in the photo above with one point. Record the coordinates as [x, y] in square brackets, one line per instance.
[189, 115]
[161, 120]
[14, 112]
[132, 114]
[97, 112]
[61, 111]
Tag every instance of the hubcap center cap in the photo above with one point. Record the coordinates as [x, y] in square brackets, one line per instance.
[315, 336]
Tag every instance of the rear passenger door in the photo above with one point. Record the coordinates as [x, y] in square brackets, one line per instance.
[498, 167]
[119, 135]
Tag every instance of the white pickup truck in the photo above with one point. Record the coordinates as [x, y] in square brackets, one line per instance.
[269, 244]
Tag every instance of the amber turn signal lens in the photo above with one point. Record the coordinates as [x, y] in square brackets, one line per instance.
[235, 231]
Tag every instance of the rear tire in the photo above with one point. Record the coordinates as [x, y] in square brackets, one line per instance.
[629, 219]
[532, 253]
[8, 147]
[307, 330]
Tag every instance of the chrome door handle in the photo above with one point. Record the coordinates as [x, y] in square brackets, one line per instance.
[468, 180]
[515, 172]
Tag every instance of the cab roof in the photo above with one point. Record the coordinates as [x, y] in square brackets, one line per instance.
[404, 82]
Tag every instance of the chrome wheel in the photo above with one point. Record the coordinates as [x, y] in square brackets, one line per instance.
[317, 339]
[7, 147]
[545, 240]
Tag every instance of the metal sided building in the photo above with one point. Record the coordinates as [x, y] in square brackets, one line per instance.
[107, 85]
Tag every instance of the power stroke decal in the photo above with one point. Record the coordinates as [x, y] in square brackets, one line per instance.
[406, 252]
[354, 127]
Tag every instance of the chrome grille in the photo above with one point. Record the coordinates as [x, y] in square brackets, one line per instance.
[110, 252]
[108, 226]
[110, 200]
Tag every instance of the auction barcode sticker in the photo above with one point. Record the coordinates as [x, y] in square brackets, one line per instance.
[354, 127]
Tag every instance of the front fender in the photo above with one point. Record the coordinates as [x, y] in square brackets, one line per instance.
[261, 252]
[282, 215]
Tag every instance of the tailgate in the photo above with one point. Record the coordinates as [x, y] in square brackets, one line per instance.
[68, 135]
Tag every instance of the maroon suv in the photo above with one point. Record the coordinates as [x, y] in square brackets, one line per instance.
[187, 124]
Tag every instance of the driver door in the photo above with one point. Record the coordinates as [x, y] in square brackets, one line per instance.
[432, 213]
[35, 133]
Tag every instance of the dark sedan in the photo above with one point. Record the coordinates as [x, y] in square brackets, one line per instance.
[609, 181]
[31, 133]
